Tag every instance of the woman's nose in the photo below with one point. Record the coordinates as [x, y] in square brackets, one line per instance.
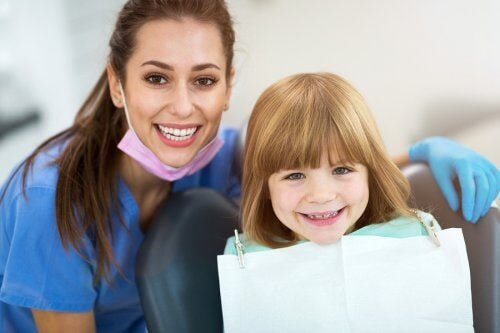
[181, 103]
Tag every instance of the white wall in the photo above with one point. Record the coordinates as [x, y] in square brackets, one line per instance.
[38, 73]
[56, 51]
[419, 63]
[425, 66]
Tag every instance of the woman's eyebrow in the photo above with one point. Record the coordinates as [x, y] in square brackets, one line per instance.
[165, 66]
[201, 67]
[158, 64]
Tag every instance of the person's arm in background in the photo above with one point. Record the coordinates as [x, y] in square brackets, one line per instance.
[55, 322]
[479, 179]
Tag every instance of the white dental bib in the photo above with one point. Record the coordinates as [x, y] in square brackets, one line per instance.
[358, 284]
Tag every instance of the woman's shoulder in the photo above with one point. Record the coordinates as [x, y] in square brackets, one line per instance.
[399, 227]
[39, 185]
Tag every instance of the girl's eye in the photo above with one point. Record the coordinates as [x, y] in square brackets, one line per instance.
[295, 176]
[156, 79]
[205, 81]
[341, 171]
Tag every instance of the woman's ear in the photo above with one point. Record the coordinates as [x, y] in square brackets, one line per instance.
[114, 87]
[229, 89]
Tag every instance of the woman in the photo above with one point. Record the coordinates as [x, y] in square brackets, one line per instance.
[74, 213]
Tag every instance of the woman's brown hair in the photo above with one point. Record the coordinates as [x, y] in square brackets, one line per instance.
[292, 123]
[86, 193]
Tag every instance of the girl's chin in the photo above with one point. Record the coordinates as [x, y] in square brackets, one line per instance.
[325, 240]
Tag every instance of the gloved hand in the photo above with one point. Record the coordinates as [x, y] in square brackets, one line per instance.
[479, 179]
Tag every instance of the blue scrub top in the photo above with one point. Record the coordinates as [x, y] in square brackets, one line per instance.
[36, 272]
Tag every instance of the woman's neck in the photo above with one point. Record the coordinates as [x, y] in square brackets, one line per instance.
[148, 190]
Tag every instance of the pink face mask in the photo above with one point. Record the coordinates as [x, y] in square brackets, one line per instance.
[131, 145]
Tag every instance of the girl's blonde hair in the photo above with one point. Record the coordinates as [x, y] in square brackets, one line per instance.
[290, 126]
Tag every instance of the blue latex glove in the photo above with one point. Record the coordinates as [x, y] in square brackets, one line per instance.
[479, 179]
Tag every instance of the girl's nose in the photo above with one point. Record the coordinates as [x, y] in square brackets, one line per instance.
[320, 191]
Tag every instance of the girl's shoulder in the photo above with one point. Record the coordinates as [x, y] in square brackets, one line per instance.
[248, 245]
[399, 227]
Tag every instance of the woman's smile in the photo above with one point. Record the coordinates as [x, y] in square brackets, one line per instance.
[177, 136]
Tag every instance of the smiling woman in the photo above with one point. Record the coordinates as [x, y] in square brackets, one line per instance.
[152, 119]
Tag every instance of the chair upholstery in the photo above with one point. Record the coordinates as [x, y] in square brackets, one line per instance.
[177, 265]
[482, 240]
[176, 268]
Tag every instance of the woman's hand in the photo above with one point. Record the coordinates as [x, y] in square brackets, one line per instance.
[55, 322]
[479, 179]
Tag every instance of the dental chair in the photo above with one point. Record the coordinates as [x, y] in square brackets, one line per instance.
[176, 270]
[482, 240]
[176, 266]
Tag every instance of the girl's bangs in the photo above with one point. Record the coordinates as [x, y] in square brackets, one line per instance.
[299, 141]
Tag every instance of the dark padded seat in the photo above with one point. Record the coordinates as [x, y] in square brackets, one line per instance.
[176, 270]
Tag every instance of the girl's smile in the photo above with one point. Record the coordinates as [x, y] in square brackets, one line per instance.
[321, 204]
[324, 218]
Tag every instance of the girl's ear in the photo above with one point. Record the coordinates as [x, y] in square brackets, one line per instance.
[114, 87]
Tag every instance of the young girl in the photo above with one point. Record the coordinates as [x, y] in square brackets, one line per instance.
[315, 169]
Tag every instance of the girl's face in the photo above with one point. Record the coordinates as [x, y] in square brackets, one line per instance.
[320, 204]
[176, 87]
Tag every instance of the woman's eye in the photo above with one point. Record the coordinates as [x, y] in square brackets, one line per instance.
[205, 81]
[341, 171]
[156, 79]
[295, 176]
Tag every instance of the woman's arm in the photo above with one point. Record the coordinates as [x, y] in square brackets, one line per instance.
[38, 272]
[55, 322]
[401, 160]
[448, 160]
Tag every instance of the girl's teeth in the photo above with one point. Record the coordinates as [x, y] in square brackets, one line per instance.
[322, 216]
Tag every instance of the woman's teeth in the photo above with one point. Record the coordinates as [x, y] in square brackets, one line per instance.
[176, 134]
[323, 216]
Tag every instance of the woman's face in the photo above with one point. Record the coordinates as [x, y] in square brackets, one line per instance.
[176, 87]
